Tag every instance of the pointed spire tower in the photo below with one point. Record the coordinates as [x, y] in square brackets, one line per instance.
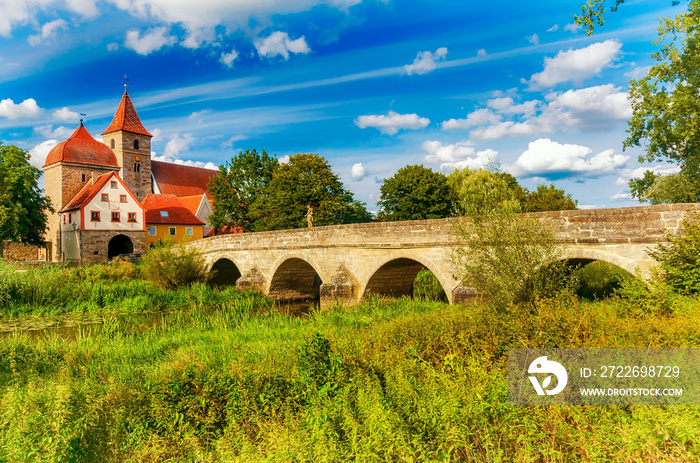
[131, 143]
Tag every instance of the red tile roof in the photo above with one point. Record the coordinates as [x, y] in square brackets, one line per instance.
[177, 212]
[181, 180]
[81, 148]
[191, 202]
[126, 118]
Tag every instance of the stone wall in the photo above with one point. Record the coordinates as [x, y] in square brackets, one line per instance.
[21, 252]
[95, 244]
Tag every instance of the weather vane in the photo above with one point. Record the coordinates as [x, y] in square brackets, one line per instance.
[81, 117]
[126, 79]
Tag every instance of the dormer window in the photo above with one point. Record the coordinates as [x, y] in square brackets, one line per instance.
[136, 144]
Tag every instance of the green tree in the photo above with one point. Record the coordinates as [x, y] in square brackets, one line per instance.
[549, 198]
[483, 190]
[306, 180]
[666, 108]
[237, 185]
[23, 206]
[593, 13]
[477, 192]
[679, 258]
[414, 193]
[662, 189]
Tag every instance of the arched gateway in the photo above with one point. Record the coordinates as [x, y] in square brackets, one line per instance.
[346, 262]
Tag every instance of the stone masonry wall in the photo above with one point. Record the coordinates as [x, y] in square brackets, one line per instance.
[21, 252]
[95, 244]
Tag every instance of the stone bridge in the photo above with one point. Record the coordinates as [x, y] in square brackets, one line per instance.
[346, 262]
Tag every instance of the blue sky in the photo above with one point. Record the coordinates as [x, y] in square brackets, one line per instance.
[372, 85]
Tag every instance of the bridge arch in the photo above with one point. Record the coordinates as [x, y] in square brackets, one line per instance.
[227, 272]
[295, 280]
[395, 277]
[583, 256]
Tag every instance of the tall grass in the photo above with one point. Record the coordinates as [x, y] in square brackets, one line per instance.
[384, 381]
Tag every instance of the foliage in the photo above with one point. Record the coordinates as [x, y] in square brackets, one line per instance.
[679, 258]
[237, 185]
[479, 191]
[548, 198]
[508, 257]
[599, 280]
[426, 286]
[306, 180]
[482, 190]
[593, 13]
[416, 381]
[173, 266]
[666, 110]
[662, 189]
[23, 207]
[415, 192]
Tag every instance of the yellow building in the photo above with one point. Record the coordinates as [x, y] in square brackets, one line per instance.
[168, 218]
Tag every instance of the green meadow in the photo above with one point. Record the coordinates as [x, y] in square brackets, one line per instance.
[216, 375]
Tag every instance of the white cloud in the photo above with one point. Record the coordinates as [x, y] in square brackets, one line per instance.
[358, 171]
[173, 160]
[112, 46]
[228, 144]
[177, 144]
[152, 40]
[284, 159]
[197, 36]
[39, 152]
[575, 65]
[28, 109]
[391, 123]
[550, 159]
[197, 116]
[17, 12]
[533, 39]
[60, 132]
[279, 43]
[481, 52]
[573, 28]
[477, 118]
[66, 115]
[660, 169]
[638, 72]
[425, 62]
[459, 155]
[227, 59]
[48, 31]
[587, 109]
[621, 197]
[553, 28]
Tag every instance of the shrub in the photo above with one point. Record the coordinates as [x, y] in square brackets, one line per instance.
[509, 257]
[679, 259]
[174, 265]
[599, 280]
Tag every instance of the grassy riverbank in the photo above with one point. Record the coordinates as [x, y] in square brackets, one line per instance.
[383, 381]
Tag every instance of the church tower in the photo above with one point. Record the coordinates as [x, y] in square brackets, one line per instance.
[131, 143]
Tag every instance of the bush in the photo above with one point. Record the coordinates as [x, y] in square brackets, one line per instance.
[599, 280]
[173, 266]
[679, 259]
[509, 257]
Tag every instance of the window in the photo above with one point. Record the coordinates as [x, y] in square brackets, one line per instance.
[113, 184]
[115, 216]
[132, 217]
[122, 198]
[151, 231]
[83, 177]
[95, 216]
[188, 231]
[164, 214]
[172, 231]
[70, 217]
[64, 219]
[137, 167]
[105, 197]
[136, 144]
[112, 143]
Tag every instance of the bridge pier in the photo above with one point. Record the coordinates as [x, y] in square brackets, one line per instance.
[342, 289]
